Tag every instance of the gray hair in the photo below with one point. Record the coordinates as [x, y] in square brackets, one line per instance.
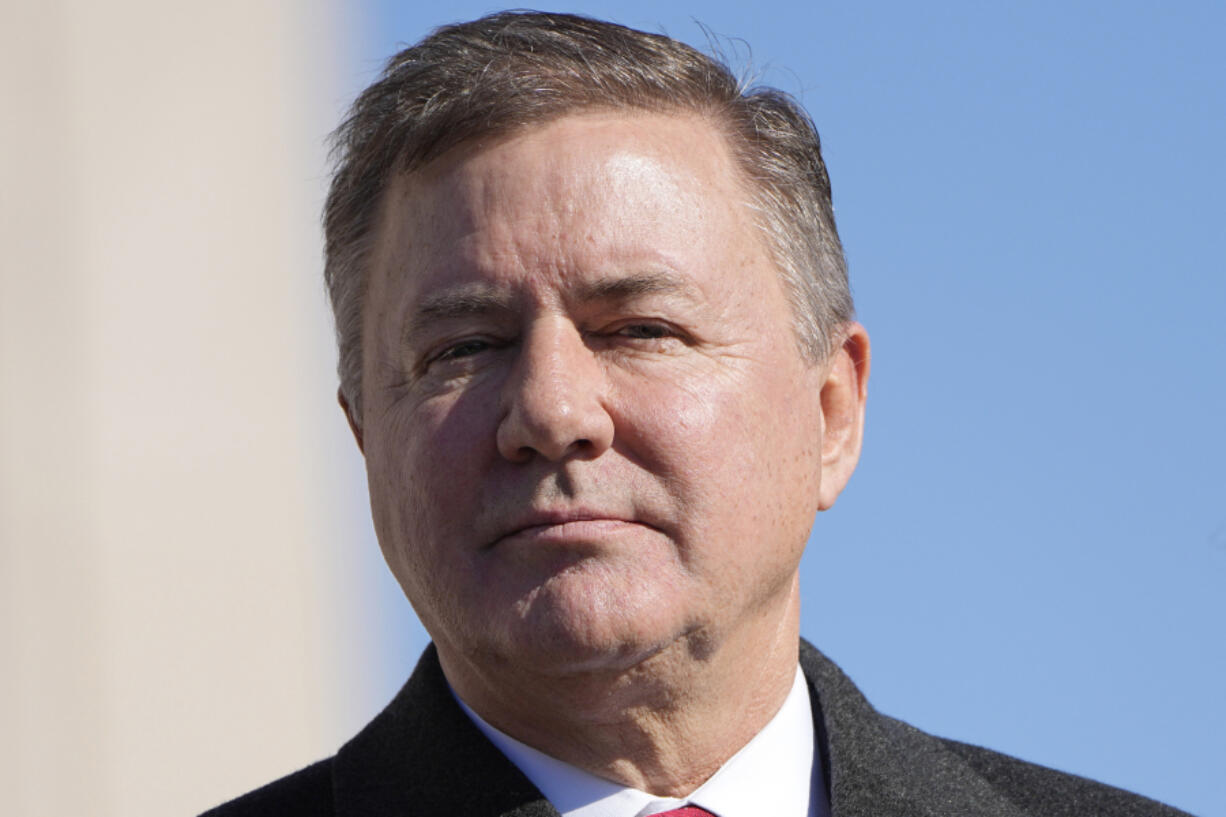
[512, 69]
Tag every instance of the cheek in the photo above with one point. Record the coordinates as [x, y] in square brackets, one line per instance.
[696, 436]
[422, 495]
[423, 466]
[449, 438]
[444, 439]
[740, 456]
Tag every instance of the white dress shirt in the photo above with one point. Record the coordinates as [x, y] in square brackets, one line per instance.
[776, 774]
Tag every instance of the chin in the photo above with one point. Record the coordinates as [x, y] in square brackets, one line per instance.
[585, 632]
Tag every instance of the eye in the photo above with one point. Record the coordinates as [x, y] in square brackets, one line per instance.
[461, 350]
[646, 331]
[651, 337]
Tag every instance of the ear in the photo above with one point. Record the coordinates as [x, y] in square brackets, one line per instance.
[843, 396]
[354, 425]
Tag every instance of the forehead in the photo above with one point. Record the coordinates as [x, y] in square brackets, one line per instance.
[585, 195]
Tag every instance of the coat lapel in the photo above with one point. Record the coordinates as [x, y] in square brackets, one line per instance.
[422, 757]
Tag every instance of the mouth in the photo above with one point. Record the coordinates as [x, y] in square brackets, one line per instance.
[567, 528]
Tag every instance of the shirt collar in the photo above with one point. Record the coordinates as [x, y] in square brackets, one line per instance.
[774, 773]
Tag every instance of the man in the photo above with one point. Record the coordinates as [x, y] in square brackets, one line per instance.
[597, 348]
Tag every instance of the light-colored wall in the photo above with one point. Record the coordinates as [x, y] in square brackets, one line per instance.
[164, 367]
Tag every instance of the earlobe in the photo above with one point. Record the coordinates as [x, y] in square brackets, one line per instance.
[354, 425]
[844, 393]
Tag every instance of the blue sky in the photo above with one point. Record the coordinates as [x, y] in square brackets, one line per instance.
[1032, 553]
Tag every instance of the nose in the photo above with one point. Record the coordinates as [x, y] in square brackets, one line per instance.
[554, 398]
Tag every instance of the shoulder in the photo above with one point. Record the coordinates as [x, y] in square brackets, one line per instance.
[305, 793]
[878, 765]
[1052, 793]
[420, 755]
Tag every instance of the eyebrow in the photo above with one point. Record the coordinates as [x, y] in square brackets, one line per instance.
[460, 302]
[474, 299]
[481, 299]
[627, 287]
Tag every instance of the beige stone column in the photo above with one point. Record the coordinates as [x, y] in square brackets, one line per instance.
[164, 364]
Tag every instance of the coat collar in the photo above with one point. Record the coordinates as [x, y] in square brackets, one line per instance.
[423, 757]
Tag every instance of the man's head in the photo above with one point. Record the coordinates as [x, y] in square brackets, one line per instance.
[492, 76]
[593, 430]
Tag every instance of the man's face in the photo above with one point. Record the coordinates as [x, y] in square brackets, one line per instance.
[589, 431]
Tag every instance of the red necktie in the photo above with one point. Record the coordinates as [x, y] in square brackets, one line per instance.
[685, 811]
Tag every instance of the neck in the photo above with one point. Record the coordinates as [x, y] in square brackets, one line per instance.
[663, 725]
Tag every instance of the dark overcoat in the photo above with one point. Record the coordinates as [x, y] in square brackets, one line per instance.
[423, 757]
